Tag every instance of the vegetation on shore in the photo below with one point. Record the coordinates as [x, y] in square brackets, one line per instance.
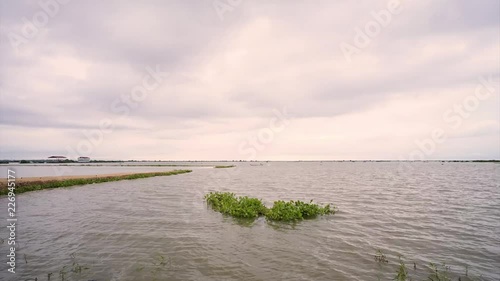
[22, 187]
[223, 167]
[246, 207]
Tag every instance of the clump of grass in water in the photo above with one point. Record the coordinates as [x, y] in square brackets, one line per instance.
[380, 257]
[22, 187]
[223, 167]
[296, 210]
[437, 273]
[159, 264]
[246, 207]
[77, 271]
[402, 273]
[71, 271]
[239, 207]
[440, 275]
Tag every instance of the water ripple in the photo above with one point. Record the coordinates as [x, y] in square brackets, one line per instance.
[160, 228]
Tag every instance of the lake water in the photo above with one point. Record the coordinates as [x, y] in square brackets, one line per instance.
[161, 229]
[51, 170]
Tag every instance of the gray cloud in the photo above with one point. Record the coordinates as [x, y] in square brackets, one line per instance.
[227, 77]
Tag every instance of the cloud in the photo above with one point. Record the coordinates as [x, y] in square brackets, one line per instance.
[227, 77]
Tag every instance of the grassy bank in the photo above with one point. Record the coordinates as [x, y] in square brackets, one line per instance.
[22, 187]
[246, 207]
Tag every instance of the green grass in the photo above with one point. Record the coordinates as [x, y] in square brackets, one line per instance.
[154, 269]
[239, 207]
[22, 187]
[433, 272]
[296, 210]
[380, 257]
[246, 207]
[223, 167]
[402, 272]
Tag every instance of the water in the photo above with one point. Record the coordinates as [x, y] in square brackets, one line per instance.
[160, 229]
[78, 169]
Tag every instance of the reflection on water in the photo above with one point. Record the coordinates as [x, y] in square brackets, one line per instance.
[160, 229]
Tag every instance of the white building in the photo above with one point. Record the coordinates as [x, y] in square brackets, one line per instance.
[83, 159]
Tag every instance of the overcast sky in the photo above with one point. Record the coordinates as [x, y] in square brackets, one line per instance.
[264, 80]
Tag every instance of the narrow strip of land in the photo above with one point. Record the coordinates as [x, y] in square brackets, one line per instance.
[38, 183]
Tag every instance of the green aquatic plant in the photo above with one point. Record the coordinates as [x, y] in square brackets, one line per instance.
[437, 272]
[155, 268]
[76, 269]
[220, 201]
[249, 208]
[284, 211]
[297, 210]
[246, 207]
[402, 273]
[160, 264]
[380, 257]
[439, 275]
[239, 207]
[22, 187]
[223, 167]
[311, 210]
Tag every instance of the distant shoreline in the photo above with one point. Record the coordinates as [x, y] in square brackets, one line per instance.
[100, 165]
[192, 163]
